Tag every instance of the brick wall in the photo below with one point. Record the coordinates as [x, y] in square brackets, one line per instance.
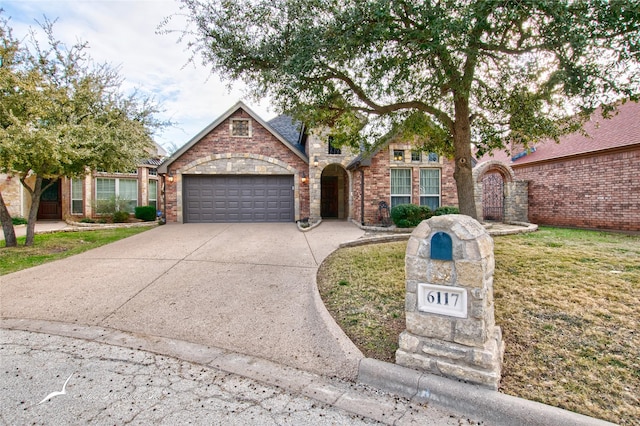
[262, 146]
[377, 182]
[596, 191]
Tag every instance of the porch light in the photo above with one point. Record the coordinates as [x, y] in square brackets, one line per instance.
[303, 178]
[170, 177]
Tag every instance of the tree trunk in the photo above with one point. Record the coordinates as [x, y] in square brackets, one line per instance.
[7, 225]
[36, 192]
[462, 148]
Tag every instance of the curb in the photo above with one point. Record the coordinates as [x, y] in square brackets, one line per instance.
[354, 398]
[472, 400]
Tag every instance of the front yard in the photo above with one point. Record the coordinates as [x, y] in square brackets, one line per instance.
[568, 302]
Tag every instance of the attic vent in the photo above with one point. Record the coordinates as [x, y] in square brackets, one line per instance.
[240, 128]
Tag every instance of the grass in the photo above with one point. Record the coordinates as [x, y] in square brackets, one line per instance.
[50, 247]
[568, 302]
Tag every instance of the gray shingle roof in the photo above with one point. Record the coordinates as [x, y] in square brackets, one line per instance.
[289, 129]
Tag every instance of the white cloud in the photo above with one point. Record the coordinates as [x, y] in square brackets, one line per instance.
[124, 34]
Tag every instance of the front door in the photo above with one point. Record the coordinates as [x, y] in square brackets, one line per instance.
[50, 202]
[329, 196]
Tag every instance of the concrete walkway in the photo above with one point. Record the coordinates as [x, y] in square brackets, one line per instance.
[248, 288]
[212, 324]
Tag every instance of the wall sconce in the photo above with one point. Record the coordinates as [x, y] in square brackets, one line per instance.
[304, 178]
[315, 160]
[170, 177]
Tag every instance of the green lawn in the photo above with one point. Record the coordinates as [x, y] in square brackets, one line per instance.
[49, 247]
[568, 302]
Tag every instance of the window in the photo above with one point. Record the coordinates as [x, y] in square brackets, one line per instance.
[430, 188]
[398, 155]
[400, 187]
[125, 191]
[77, 200]
[433, 156]
[128, 194]
[240, 128]
[153, 193]
[333, 150]
[153, 172]
[416, 155]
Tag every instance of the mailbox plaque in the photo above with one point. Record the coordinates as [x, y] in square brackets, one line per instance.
[443, 300]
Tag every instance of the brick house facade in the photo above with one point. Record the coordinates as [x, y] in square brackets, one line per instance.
[224, 172]
[74, 199]
[585, 181]
[374, 173]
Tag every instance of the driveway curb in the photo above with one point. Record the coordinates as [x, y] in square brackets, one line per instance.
[472, 400]
[358, 399]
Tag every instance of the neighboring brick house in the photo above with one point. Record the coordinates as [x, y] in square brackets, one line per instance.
[585, 181]
[77, 198]
[243, 169]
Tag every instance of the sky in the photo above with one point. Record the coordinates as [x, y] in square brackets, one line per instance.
[124, 33]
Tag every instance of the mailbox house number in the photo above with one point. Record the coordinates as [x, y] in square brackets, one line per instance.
[443, 300]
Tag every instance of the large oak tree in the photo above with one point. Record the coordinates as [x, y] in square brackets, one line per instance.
[447, 72]
[62, 115]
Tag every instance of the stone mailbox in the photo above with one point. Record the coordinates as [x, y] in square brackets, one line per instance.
[450, 321]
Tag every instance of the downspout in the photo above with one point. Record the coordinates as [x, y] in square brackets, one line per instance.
[361, 196]
[164, 198]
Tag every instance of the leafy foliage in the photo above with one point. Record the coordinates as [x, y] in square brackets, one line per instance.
[120, 217]
[442, 74]
[409, 215]
[63, 115]
[146, 213]
[442, 210]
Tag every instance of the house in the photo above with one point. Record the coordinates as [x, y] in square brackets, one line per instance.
[78, 198]
[241, 168]
[589, 180]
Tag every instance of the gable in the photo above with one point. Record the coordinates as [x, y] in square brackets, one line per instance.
[224, 126]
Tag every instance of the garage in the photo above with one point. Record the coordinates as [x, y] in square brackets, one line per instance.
[238, 198]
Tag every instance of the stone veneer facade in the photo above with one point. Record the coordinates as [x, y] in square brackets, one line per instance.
[220, 152]
[516, 192]
[466, 348]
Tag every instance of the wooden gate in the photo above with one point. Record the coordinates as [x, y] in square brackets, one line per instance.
[493, 197]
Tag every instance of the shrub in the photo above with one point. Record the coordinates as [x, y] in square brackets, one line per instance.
[442, 210]
[19, 220]
[120, 217]
[409, 215]
[146, 213]
[87, 220]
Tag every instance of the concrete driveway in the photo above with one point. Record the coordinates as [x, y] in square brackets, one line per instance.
[249, 288]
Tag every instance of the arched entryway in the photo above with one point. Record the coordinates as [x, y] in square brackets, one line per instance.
[499, 196]
[334, 192]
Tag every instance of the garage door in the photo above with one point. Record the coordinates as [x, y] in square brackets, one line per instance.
[238, 198]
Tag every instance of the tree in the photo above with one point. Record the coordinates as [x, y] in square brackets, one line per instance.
[447, 72]
[61, 115]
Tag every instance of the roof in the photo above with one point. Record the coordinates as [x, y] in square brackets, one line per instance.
[621, 130]
[291, 130]
[239, 105]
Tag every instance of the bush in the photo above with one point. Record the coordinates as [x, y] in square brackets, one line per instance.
[87, 220]
[120, 217]
[146, 213]
[19, 220]
[446, 210]
[409, 215]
